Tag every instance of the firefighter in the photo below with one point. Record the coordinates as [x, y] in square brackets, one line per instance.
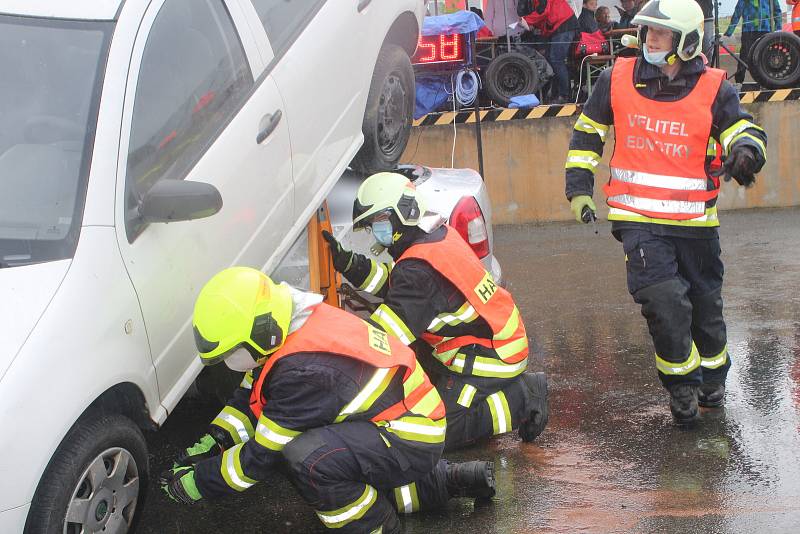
[338, 404]
[467, 332]
[669, 111]
[795, 16]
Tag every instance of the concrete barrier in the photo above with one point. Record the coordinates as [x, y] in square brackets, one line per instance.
[524, 153]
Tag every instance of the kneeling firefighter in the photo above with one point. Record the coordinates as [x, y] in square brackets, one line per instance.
[467, 331]
[326, 394]
[672, 117]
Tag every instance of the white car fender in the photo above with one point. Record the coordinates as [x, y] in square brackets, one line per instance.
[74, 354]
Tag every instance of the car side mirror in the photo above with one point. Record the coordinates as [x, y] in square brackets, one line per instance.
[179, 200]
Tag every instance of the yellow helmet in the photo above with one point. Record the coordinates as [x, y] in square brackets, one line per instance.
[387, 192]
[241, 307]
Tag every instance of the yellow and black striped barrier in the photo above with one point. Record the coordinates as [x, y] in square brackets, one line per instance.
[567, 110]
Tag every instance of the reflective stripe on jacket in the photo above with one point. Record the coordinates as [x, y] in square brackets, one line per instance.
[456, 262]
[354, 338]
[658, 167]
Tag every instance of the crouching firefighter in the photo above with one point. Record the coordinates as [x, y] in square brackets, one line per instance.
[671, 114]
[336, 403]
[467, 331]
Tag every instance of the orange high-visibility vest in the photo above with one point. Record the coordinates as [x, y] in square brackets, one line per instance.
[795, 14]
[658, 166]
[360, 341]
[457, 262]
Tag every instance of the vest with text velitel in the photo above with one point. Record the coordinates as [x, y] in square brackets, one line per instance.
[658, 172]
[456, 261]
[360, 341]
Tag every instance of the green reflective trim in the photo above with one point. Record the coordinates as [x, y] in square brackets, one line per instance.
[465, 314]
[235, 423]
[457, 365]
[427, 404]
[392, 324]
[727, 137]
[365, 398]
[510, 327]
[501, 415]
[494, 368]
[237, 465]
[584, 159]
[587, 125]
[681, 368]
[247, 380]
[352, 512]
[271, 435]
[509, 349]
[416, 428]
[466, 396]
[234, 477]
[406, 499]
[711, 219]
[378, 274]
[414, 381]
[715, 362]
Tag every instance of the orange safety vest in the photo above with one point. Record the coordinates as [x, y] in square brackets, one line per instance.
[795, 15]
[453, 259]
[360, 341]
[658, 166]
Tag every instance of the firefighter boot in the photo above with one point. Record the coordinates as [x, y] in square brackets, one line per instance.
[711, 395]
[471, 479]
[683, 403]
[538, 413]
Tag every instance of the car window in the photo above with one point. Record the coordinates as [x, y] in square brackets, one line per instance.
[193, 78]
[284, 20]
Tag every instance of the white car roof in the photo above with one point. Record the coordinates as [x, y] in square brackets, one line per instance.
[64, 9]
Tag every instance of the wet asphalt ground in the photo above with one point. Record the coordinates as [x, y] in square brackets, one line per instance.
[611, 459]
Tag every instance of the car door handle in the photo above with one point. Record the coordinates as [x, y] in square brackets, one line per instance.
[362, 5]
[272, 123]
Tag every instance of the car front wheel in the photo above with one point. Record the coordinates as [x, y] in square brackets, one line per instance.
[390, 107]
[96, 480]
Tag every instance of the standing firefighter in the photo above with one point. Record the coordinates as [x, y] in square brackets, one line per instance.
[466, 330]
[668, 111]
[343, 406]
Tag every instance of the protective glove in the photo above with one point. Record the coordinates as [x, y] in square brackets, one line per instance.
[578, 203]
[207, 447]
[739, 165]
[342, 259]
[178, 483]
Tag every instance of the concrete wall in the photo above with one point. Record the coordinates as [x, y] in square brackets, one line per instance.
[524, 162]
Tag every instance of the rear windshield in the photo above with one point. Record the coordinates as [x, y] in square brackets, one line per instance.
[49, 93]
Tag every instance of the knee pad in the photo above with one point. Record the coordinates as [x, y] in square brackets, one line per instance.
[708, 325]
[297, 451]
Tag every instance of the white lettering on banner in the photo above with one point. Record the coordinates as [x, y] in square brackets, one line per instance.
[657, 126]
[645, 143]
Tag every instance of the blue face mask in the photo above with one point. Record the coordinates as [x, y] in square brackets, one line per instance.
[658, 59]
[383, 232]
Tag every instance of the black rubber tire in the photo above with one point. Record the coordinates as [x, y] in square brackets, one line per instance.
[389, 113]
[93, 434]
[775, 60]
[509, 75]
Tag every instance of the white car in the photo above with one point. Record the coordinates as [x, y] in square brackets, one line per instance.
[115, 118]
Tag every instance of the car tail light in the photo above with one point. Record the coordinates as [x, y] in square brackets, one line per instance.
[468, 221]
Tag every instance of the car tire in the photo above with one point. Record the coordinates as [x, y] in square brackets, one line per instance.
[98, 474]
[390, 108]
[509, 75]
[775, 62]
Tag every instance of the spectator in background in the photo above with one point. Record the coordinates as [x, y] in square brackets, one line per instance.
[586, 20]
[756, 21]
[557, 23]
[795, 18]
[603, 17]
[708, 25]
[628, 10]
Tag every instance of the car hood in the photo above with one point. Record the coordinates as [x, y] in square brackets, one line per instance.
[25, 293]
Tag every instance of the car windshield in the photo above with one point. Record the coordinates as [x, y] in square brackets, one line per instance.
[49, 93]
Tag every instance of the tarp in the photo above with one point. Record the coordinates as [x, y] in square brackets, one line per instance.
[432, 92]
[458, 22]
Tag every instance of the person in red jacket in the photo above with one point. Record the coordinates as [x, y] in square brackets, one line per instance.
[557, 22]
[795, 18]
